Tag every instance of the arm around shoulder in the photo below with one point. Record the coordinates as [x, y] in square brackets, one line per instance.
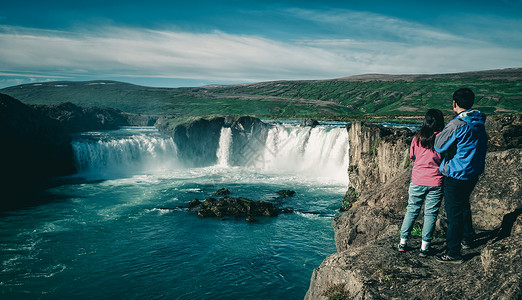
[448, 135]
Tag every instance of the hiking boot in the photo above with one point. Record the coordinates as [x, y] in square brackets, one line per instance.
[449, 259]
[401, 247]
[466, 244]
[423, 253]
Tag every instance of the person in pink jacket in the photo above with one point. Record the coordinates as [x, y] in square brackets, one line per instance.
[426, 182]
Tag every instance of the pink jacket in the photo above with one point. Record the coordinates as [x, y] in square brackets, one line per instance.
[426, 165]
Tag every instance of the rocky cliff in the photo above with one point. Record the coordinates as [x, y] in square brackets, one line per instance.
[198, 139]
[36, 142]
[34, 148]
[367, 264]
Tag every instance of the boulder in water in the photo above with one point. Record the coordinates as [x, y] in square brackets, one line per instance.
[222, 192]
[233, 207]
[286, 193]
[309, 123]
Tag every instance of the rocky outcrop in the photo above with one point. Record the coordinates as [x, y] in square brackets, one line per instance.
[233, 207]
[34, 148]
[140, 120]
[376, 271]
[248, 139]
[309, 123]
[77, 119]
[197, 140]
[377, 154]
[367, 264]
[505, 132]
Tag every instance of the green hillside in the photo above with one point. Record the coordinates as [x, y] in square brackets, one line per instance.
[497, 91]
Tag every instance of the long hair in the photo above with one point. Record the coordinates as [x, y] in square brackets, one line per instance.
[433, 122]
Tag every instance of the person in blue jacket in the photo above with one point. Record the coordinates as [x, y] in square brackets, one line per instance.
[463, 141]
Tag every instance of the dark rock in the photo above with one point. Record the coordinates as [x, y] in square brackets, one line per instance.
[249, 219]
[140, 120]
[34, 148]
[233, 207]
[505, 131]
[197, 140]
[309, 123]
[78, 119]
[248, 140]
[286, 193]
[193, 204]
[499, 190]
[222, 192]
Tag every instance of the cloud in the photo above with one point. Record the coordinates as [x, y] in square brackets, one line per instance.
[113, 51]
[121, 51]
[368, 26]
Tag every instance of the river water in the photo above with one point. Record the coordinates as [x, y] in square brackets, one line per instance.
[118, 230]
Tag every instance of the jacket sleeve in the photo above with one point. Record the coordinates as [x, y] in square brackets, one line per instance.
[448, 135]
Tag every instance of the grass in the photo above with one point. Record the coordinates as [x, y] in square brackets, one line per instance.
[336, 292]
[337, 99]
[385, 273]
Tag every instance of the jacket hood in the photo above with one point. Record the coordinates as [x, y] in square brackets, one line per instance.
[472, 116]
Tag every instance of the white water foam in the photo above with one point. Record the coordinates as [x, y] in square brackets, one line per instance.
[135, 151]
[320, 152]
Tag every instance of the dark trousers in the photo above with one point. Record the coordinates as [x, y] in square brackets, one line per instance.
[458, 211]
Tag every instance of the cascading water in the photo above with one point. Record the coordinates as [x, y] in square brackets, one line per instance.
[225, 143]
[123, 152]
[318, 152]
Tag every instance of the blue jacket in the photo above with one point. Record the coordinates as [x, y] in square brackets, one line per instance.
[464, 143]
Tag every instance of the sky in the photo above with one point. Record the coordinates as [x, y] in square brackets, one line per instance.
[200, 42]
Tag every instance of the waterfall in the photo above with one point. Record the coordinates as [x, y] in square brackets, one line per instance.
[124, 151]
[319, 152]
[225, 143]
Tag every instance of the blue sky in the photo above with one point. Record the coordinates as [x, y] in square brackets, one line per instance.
[194, 43]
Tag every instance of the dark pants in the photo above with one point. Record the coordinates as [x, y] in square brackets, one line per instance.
[458, 211]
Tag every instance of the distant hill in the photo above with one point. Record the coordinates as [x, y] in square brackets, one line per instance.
[376, 94]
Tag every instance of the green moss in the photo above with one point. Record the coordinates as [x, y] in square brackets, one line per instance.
[336, 292]
[373, 148]
[385, 273]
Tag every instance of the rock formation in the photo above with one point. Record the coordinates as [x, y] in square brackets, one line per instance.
[77, 119]
[367, 264]
[198, 139]
[248, 138]
[34, 148]
[233, 207]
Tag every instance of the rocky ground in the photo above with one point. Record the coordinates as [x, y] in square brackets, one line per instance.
[367, 264]
[491, 270]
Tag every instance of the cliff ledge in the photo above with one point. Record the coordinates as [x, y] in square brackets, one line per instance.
[367, 264]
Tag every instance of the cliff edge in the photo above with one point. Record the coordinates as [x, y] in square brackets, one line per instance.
[367, 264]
